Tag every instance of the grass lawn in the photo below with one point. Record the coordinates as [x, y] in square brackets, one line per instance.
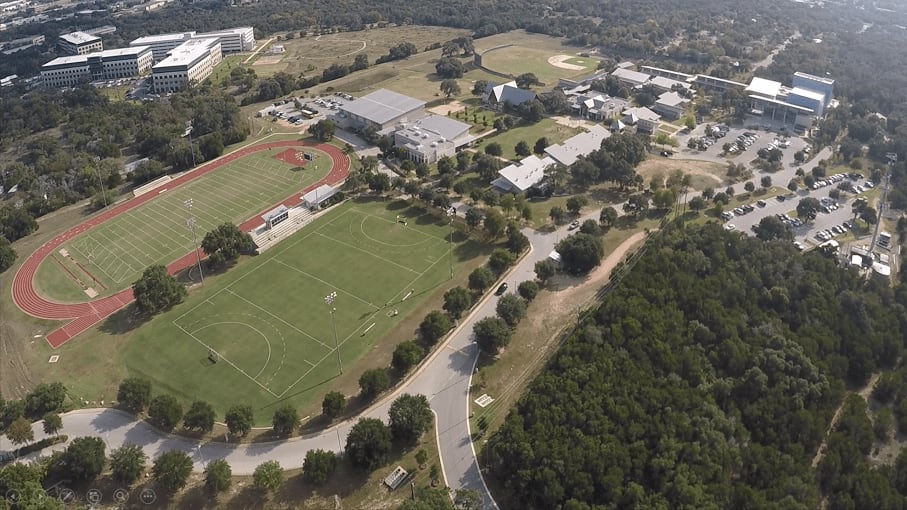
[116, 252]
[554, 132]
[529, 53]
[222, 71]
[268, 321]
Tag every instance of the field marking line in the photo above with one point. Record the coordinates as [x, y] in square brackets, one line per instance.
[354, 296]
[368, 253]
[301, 332]
[79, 251]
[243, 372]
[253, 328]
[370, 238]
[413, 229]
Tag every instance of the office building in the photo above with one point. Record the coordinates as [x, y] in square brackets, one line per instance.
[232, 40]
[186, 65]
[79, 43]
[103, 65]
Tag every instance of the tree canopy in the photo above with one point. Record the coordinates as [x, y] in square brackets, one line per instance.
[410, 416]
[156, 291]
[368, 443]
[225, 243]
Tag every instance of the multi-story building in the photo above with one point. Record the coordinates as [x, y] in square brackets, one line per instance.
[79, 43]
[431, 138]
[799, 105]
[187, 64]
[103, 65]
[232, 40]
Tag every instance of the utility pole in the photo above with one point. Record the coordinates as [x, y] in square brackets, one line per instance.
[190, 222]
[450, 215]
[329, 300]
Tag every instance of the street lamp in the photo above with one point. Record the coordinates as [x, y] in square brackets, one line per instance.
[190, 222]
[329, 300]
[450, 216]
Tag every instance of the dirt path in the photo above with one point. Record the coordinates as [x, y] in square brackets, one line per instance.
[863, 392]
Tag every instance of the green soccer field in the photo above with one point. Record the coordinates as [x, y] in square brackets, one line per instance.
[117, 251]
[268, 323]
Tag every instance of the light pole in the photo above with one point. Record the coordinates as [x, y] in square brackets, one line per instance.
[189, 128]
[329, 300]
[450, 216]
[190, 222]
[97, 170]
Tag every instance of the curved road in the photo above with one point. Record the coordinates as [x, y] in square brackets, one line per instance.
[84, 315]
[444, 377]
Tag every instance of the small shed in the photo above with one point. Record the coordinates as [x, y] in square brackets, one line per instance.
[555, 257]
[318, 196]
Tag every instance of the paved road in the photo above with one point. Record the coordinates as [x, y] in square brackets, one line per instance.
[444, 378]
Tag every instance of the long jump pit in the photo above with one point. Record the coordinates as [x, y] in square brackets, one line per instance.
[292, 157]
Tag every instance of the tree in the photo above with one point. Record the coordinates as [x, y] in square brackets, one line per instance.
[410, 417]
[156, 291]
[318, 465]
[421, 457]
[511, 308]
[697, 203]
[134, 394]
[323, 130]
[435, 325]
[450, 87]
[557, 214]
[285, 420]
[556, 174]
[637, 205]
[481, 278]
[771, 228]
[449, 68]
[7, 255]
[20, 431]
[517, 242]
[491, 334]
[527, 80]
[663, 199]
[368, 443]
[540, 145]
[473, 217]
[44, 399]
[478, 88]
[749, 187]
[268, 476]
[545, 270]
[239, 419]
[869, 215]
[226, 242]
[406, 355]
[171, 470]
[467, 499]
[165, 411]
[127, 463]
[83, 460]
[494, 149]
[607, 217]
[500, 260]
[333, 404]
[808, 208]
[574, 204]
[200, 417]
[494, 223]
[528, 290]
[434, 474]
[456, 301]
[372, 382]
[522, 149]
[580, 253]
[52, 423]
[218, 476]
[792, 185]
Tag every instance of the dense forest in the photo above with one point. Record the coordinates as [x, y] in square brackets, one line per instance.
[707, 379]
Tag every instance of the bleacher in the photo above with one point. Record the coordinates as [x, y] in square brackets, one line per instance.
[265, 238]
[145, 188]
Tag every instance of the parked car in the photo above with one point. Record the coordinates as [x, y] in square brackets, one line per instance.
[501, 289]
[573, 225]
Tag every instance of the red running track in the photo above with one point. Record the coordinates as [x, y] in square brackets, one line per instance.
[82, 316]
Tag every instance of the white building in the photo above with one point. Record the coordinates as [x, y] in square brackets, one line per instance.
[232, 40]
[431, 138]
[188, 64]
[568, 151]
[382, 109]
[670, 105]
[79, 43]
[799, 105]
[630, 78]
[645, 120]
[103, 65]
[519, 177]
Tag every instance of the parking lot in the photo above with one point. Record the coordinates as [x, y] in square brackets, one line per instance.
[309, 109]
[834, 213]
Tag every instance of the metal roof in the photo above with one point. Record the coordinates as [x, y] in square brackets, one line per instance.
[568, 151]
[763, 87]
[383, 106]
[79, 38]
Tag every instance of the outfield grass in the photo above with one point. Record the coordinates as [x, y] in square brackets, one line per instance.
[117, 251]
[554, 132]
[268, 321]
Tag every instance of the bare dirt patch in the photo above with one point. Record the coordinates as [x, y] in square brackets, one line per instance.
[559, 61]
[268, 60]
[445, 109]
[713, 174]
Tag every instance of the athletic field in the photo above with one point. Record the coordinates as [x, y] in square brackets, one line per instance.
[112, 255]
[266, 323]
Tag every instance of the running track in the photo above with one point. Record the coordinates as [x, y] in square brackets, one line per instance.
[82, 316]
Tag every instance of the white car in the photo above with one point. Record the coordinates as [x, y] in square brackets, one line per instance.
[729, 226]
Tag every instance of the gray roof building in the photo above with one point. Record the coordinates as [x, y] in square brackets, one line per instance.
[568, 151]
[382, 109]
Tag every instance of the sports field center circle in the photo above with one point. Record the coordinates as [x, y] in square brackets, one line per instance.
[84, 315]
[362, 230]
